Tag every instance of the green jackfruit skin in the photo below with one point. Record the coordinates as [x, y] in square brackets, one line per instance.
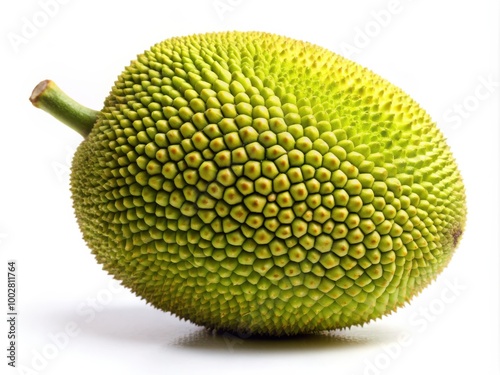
[253, 183]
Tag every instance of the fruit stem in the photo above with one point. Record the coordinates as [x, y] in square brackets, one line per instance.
[49, 97]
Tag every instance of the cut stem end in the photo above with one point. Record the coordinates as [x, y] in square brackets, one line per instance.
[49, 97]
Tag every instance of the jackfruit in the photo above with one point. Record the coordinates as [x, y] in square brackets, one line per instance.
[249, 182]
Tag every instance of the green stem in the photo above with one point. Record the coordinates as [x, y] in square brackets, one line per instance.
[49, 97]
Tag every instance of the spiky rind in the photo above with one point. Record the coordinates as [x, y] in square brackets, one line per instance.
[253, 183]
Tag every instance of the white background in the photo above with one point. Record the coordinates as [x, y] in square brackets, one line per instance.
[443, 53]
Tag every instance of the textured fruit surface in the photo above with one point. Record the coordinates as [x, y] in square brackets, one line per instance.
[251, 182]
